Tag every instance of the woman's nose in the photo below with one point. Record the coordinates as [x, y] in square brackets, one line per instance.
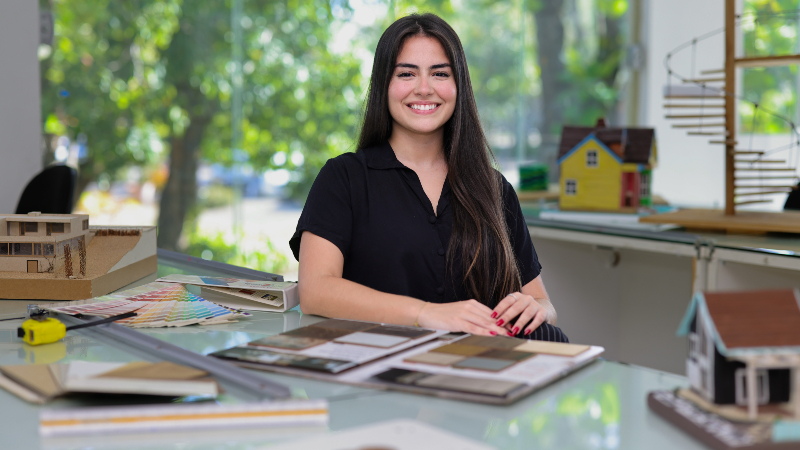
[424, 86]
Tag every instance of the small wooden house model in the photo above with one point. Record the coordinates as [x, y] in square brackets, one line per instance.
[606, 169]
[742, 343]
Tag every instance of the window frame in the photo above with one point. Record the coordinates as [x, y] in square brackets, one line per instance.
[592, 162]
[574, 184]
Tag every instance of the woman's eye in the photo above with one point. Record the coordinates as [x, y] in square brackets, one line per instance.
[441, 74]
[404, 74]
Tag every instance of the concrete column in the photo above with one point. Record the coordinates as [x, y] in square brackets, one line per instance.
[20, 111]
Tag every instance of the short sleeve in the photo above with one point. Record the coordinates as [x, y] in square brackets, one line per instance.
[527, 260]
[328, 209]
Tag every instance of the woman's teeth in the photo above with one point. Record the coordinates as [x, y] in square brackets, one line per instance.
[424, 107]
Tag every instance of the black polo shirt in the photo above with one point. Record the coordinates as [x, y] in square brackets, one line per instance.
[373, 208]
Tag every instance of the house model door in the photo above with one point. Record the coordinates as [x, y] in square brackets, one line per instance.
[630, 190]
[33, 266]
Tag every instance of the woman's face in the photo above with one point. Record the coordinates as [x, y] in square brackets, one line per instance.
[422, 92]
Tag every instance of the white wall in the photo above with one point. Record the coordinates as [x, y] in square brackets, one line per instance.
[20, 136]
[690, 171]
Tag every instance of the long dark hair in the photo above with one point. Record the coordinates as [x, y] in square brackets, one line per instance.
[480, 237]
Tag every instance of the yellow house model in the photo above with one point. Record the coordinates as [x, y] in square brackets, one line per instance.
[606, 169]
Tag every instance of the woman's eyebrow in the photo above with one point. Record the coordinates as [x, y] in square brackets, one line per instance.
[414, 66]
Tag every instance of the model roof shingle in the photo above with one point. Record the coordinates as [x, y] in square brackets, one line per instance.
[637, 145]
[756, 318]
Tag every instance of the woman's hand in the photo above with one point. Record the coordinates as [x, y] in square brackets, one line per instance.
[469, 316]
[530, 312]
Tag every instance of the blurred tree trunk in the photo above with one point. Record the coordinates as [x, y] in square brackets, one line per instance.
[180, 192]
[550, 38]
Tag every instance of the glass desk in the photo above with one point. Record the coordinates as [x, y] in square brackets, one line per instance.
[602, 406]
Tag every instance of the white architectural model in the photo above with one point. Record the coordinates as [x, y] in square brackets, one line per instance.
[37, 242]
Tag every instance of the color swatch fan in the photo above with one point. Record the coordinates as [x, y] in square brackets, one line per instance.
[156, 305]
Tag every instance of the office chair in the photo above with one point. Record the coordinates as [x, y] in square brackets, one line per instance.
[793, 199]
[50, 191]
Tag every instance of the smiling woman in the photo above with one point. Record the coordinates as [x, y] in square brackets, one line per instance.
[416, 227]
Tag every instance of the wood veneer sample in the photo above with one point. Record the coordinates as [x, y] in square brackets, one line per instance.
[501, 342]
[436, 359]
[460, 349]
[552, 348]
[510, 355]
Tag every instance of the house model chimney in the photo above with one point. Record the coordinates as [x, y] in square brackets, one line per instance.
[601, 123]
[35, 213]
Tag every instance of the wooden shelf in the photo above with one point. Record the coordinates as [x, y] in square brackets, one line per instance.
[741, 222]
[766, 61]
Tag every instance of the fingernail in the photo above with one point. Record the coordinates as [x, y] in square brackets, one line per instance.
[493, 333]
[500, 322]
[494, 314]
[528, 331]
[515, 330]
[510, 334]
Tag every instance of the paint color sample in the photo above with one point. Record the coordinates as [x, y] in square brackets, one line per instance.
[437, 359]
[408, 332]
[371, 340]
[313, 331]
[509, 355]
[552, 348]
[488, 364]
[497, 388]
[288, 342]
[460, 349]
[502, 342]
[339, 324]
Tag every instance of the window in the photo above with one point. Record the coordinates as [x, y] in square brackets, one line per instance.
[762, 386]
[86, 224]
[571, 187]
[31, 227]
[55, 228]
[591, 158]
[47, 249]
[23, 249]
[37, 249]
[644, 191]
[3, 249]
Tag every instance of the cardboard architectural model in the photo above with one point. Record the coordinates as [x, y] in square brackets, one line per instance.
[742, 343]
[60, 257]
[606, 169]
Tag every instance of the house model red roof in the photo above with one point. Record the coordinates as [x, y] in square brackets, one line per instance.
[635, 143]
[755, 318]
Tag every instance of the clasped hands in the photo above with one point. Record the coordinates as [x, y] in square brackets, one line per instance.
[514, 313]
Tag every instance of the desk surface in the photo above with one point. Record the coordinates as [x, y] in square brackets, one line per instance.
[600, 406]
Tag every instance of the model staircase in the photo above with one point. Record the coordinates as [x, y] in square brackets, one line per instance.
[698, 107]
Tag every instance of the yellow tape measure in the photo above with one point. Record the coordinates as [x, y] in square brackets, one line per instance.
[40, 329]
[37, 332]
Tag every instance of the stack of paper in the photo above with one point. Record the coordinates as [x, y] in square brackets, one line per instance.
[156, 305]
[39, 383]
[256, 295]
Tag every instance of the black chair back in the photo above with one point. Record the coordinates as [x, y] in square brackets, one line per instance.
[49, 192]
[793, 200]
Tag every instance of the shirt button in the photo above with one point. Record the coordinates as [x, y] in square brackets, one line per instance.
[440, 290]
[441, 252]
[432, 219]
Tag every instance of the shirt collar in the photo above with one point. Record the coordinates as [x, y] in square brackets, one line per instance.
[382, 157]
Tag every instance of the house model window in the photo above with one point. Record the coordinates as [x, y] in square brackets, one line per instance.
[55, 228]
[570, 187]
[644, 185]
[591, 158]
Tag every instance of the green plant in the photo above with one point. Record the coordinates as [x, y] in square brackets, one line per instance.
[255, 253]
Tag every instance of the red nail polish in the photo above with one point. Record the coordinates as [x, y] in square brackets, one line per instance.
[527, 332]
[509, 333]
[493, 333]
[494, 314]
[515, 330]
[500, 322]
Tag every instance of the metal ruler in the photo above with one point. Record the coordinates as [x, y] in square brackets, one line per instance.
[244, 382]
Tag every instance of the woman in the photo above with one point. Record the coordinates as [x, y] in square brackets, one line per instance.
[416, 227]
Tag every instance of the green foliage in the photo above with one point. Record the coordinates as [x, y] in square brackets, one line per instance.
[258, 254]
[769, 27]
